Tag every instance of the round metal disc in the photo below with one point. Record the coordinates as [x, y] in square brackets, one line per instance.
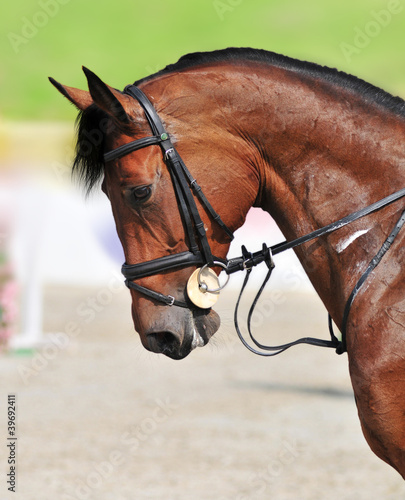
[196, 294]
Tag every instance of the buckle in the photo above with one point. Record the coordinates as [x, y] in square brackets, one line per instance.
[268, 256]
[167, 152]
[247, 265]
[172, 299]
[247, 262]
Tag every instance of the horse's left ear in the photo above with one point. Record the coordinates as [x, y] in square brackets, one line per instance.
[80, 98]
[110, 100]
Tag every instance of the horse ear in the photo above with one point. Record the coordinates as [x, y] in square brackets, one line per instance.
[80, 98]
[110, 100]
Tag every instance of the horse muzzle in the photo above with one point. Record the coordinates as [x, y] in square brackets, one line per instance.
[191, 332]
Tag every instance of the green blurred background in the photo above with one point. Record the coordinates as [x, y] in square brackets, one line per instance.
[128, 39]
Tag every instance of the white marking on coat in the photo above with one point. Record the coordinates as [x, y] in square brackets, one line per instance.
[344, 244]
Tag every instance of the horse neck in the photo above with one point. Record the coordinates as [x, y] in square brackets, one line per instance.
[319, 151]
[323, 153]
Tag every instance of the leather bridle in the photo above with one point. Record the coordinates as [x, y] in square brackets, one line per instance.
[200, 254]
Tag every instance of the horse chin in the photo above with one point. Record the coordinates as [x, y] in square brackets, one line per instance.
[206, 323]
[198, 329]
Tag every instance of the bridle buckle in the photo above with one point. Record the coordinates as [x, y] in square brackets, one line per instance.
[167, 152]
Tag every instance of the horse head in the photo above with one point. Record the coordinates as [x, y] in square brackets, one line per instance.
[145, 202]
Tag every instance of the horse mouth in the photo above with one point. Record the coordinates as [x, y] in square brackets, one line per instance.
[197, 341]
[177, 344]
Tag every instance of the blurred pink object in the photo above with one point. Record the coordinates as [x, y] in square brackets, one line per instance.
[8, 296]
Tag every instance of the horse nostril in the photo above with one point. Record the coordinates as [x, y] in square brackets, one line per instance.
[163, 342]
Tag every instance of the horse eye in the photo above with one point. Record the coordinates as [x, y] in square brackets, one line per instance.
[142, 193]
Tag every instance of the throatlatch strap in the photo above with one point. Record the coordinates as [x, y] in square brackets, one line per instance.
[184, 214]
[203, 199]
[173, 161]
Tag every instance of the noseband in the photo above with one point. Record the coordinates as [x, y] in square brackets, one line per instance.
[200, 254]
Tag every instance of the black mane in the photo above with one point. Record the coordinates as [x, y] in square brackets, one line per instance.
[89, 163]
[331, 75]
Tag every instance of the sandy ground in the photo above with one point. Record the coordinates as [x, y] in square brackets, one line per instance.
[101, 418]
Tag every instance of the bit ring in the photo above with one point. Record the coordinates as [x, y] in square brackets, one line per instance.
[203, 286]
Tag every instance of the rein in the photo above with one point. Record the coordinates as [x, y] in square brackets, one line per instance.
[248, 261]
[199, 253]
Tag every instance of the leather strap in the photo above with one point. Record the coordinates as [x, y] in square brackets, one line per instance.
[167, 263]
[373, 264]
[253, 259]
[167, 300]
[125, 149]
[266, 349]
[153, 118]
[203, 199]
[185, 216]
[199, 249]
[248, 260]
[190, 212]
[170, 152]
[286, 245]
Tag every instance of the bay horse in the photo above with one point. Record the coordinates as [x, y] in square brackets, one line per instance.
[306, 143]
